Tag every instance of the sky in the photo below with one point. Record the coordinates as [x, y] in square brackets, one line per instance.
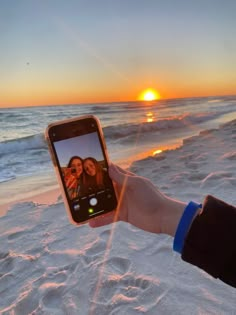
[92, 51]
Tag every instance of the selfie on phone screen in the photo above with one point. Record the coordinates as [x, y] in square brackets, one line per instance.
[82, 164]
[83, 169]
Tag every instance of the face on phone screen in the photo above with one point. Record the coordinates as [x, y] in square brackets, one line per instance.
[83, 168]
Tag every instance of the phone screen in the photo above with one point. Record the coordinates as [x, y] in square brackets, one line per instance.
[81, 160]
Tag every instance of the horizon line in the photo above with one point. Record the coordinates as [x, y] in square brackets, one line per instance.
[117, 102]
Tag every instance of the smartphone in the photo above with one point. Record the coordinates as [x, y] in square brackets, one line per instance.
[80, 159]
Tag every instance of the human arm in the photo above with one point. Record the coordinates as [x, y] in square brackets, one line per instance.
[143, 205]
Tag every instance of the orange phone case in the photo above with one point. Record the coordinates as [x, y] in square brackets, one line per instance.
[56, 166]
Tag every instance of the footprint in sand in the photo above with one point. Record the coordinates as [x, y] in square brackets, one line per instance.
[7, 262]
[197, 176]
[229, 156]
[54, 277]
[95, 251]
[57, 276]
[3, 255]
[15, 235]
[215, 176]
[7, 280]
[52, 295]
[124, 288]
[105, 235]
[118, 265]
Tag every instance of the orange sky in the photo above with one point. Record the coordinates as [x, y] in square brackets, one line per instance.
[69, 54]
[68, 95]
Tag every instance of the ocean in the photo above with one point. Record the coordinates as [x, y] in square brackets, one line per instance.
[133, 131]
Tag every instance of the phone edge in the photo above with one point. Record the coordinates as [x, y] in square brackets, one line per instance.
[55, 166]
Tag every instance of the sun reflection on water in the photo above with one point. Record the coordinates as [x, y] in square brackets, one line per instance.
[157, 152]
[149, 117]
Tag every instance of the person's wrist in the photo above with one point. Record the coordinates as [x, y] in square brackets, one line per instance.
[172, 212]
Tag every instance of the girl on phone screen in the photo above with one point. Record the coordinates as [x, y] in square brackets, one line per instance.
[73, 176]
[95, 177]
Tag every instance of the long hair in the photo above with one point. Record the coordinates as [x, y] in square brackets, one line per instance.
[74, 191]
[73, 158]
[97, 179]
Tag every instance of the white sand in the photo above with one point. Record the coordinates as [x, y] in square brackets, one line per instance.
[48, 266]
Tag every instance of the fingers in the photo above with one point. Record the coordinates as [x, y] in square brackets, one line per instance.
[103, 220]
[119, 177]
[125, 181]
[71, 185]
[71, 182]
[124, 171]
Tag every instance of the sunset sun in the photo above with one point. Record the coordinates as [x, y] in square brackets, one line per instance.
[149, 95]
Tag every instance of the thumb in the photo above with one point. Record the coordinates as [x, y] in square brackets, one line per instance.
[117, 176]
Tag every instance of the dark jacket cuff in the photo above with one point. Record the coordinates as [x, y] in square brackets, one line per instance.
[211, 241]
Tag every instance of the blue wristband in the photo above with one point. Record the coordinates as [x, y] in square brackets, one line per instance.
[184, 224]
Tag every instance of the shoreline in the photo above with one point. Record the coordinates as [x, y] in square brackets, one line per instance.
[44, 186]
[45, 189]
[44, 198]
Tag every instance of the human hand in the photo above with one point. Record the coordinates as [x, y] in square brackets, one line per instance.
[141, 204]
[69, 178]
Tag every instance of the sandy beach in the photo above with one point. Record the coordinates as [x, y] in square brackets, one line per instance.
[48, 266]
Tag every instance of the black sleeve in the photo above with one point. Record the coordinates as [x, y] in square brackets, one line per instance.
[211, 241]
